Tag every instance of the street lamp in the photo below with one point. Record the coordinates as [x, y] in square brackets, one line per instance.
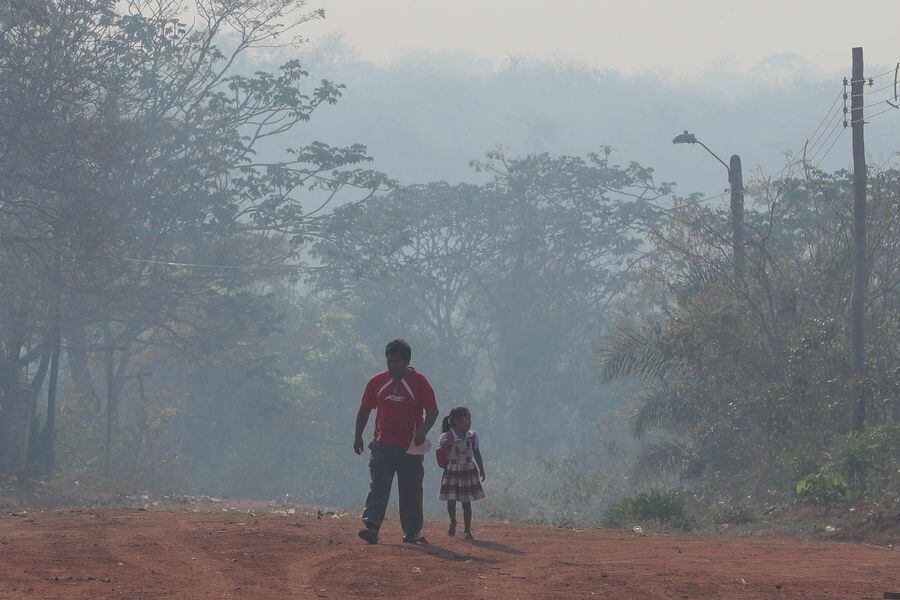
[736, 184]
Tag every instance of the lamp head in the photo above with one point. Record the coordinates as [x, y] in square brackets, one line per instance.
[685, 138]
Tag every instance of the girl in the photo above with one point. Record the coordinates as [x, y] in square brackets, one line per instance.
[461, 479]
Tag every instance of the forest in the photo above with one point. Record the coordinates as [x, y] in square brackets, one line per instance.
[194, 292]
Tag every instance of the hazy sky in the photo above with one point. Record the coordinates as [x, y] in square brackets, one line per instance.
[677, 37]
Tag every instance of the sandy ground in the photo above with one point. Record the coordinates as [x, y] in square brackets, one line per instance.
[243, 552]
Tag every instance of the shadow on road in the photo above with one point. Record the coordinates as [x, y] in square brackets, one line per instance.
[495, 546]
[447, 554]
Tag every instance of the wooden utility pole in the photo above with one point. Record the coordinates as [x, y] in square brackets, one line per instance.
[858, 293]
[736, 181]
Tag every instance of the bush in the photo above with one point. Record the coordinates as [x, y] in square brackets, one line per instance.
[655, 507]
[871, 462]
[821, 489]
[572, 490]
[735, 514]
[516, 492]
[861, 465]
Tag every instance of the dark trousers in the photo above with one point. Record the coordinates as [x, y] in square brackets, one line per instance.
[384, 461]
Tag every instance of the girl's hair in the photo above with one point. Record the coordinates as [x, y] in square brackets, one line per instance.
[459, 411]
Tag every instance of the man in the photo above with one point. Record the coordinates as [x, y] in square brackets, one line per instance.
[400, 395]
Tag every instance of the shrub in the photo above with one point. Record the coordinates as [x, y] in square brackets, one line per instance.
[656, 506]
[821, 489]
[571, 489]
[736, 514]
[871, 462]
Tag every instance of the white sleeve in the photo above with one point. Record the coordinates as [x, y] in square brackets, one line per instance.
[474, 441]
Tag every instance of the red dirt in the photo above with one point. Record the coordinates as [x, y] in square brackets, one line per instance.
[177, 553]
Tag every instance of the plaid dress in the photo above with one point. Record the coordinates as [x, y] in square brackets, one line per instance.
[461, 481]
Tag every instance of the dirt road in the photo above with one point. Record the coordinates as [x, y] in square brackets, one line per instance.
[232, 553]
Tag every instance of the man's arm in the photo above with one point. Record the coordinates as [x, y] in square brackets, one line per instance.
[362, 419]
[430, 418]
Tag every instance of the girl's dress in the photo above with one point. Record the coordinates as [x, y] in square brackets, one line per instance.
[460, 481]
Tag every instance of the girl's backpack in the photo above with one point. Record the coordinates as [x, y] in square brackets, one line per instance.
[441, 456]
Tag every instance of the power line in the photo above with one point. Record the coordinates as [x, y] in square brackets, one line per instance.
[881, 112]
[828, 112]
[870, 79]
[865, 93]
[817, 143]
[827, 152]
[879, 103]
[838, 128]
[870, 117]
[889, 72]
[815, 136]
[892, 85]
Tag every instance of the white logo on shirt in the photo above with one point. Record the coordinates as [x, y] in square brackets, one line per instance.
[395, 398]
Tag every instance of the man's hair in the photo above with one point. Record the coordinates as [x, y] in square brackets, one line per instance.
[399, 347]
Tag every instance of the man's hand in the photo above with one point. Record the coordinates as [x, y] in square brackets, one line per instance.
[362, 417]
[420, 437]
[421, 432]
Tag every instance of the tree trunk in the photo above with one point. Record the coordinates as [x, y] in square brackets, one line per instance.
[77, 356]
[115, 382]
[48, 435]
[15, 428]
[43, 460]
[34, 435]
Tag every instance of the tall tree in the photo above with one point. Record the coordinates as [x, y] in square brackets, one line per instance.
[142, 153]
[505, 286]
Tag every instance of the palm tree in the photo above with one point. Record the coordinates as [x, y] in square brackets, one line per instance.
[665, 402]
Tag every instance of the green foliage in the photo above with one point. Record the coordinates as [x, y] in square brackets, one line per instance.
[514, 492]
[145, 230]
[856, 466]
[749, 381]
[571, 491]
[482, 268]
[568, 490]
[821, 489]
[282, 431]
[737, 513]
[658, 460]
[870, 460]
[135, 143]
[637, 352]
[658, 507]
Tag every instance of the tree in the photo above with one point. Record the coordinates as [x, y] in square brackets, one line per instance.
[150, 136]
[502, 286]
[748, 385]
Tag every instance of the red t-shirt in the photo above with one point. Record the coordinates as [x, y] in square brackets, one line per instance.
[400, 406]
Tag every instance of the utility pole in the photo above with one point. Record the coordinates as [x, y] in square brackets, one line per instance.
[858, 292]
[736, 179]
